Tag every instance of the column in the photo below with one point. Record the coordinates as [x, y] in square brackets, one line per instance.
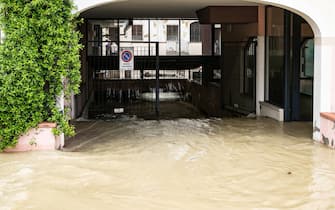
[260, 62]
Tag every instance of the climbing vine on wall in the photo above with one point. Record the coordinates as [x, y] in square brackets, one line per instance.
[39, 60]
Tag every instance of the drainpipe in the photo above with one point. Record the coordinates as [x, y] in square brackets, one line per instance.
[73, 106]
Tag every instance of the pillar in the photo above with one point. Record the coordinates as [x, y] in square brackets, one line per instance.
[324, 81]
[260, 62]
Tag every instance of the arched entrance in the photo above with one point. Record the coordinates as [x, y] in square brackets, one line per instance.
[303, 10]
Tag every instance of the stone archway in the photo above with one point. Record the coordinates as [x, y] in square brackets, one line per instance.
[319, 17]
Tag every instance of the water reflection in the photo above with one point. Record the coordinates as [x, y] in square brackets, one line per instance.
[175, 164]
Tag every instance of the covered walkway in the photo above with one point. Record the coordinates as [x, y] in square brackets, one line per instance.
[310, 11]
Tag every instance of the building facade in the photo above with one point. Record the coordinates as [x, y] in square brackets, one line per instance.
[294, 68]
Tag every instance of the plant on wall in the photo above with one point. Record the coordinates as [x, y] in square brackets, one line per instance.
[39, 60]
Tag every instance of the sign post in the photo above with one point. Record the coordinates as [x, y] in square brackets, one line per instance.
[157, 81]
[127, 58]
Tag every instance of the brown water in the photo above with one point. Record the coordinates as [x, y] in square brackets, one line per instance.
[178, 164]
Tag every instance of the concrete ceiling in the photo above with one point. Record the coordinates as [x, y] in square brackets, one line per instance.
[156, 8]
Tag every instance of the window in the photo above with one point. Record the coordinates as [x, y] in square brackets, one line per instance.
[195, 32]
[307, 66]
[275, 56]
[113, 34]
[172, 33]
[249, 68]
[137, 32]
[217, 39]
[217, 74]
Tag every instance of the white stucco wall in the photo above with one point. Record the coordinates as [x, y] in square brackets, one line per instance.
[320, 15]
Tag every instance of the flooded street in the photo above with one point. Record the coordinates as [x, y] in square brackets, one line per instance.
[175, 164]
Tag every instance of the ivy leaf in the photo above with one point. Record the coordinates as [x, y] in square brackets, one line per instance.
[41, 51]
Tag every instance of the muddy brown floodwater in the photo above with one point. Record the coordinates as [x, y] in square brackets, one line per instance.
[175, 164]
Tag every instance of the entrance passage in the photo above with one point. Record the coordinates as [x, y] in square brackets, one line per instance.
[169, 76]
[160, 88]
[200, 66]
[177, 73]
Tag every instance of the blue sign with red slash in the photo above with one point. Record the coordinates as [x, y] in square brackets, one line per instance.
[126, 56]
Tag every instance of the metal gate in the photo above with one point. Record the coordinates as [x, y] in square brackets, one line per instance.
[116, 92]
[139, 92]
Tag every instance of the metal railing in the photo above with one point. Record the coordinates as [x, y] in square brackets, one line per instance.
[101, 73]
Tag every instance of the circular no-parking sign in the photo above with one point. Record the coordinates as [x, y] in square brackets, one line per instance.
[126, 56]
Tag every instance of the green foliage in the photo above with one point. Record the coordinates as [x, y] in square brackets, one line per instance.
[39, 60]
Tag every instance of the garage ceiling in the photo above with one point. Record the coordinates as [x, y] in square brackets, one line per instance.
[157, 8]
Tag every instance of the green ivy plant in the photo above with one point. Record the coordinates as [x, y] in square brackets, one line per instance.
[39, 60]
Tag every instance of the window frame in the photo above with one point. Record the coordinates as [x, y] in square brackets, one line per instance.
[169, 35]
[137, 32]
[195, 37]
